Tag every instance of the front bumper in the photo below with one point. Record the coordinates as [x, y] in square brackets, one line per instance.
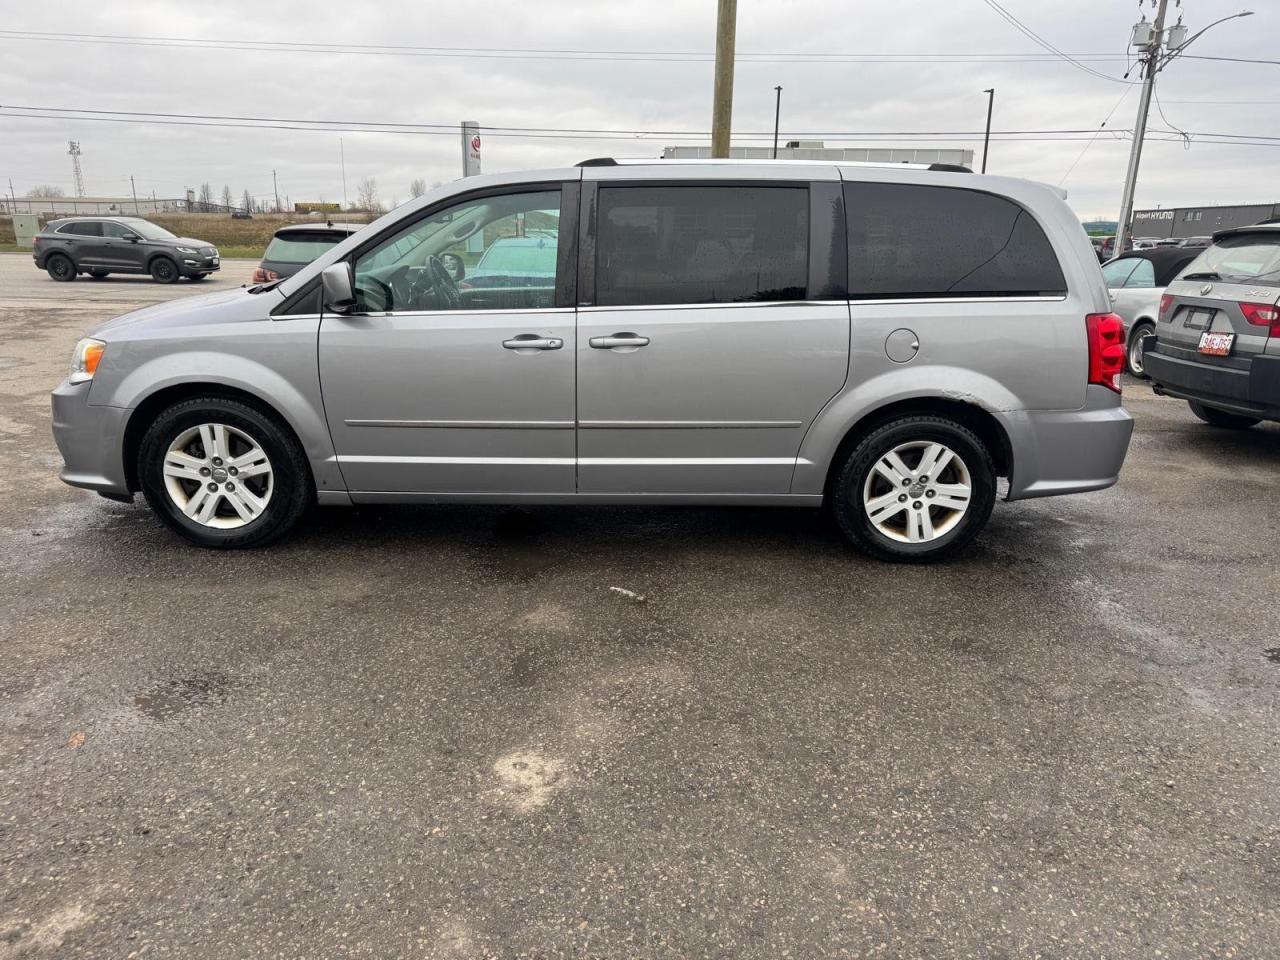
[190, 266]
[1068, 451]
[1252, 391]
[90, 439]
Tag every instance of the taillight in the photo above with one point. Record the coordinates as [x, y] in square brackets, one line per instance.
[1263, 315]
[1106, 349]
[1166, 301]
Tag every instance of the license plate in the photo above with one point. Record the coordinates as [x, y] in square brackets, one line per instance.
[1216, 344]
[215, 261]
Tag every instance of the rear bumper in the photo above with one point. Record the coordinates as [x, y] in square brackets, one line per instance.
[90, 440]
[1252, 391]
[1057, 452]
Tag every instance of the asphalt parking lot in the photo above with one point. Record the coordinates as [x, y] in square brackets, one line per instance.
[443, 733]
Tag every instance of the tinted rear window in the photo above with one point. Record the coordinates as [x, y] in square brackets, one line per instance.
[83, 229]
[920, 241]
[696, 244]
[1246, 258]
[300, 247]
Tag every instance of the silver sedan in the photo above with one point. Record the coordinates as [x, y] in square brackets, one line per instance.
[1136, 282]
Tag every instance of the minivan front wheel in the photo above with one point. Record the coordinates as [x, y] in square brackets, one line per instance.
[915, 489]
[164, 270]
[221, 473]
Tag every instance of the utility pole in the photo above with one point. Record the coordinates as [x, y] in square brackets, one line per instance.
[777, 112]
[986, 140]
[134, 188]
[1153, 61]
[13, 197]
[1150, 66]
[342, 158]
[722, 99]
[275, 188]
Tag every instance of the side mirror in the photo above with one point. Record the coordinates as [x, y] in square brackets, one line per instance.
[338, 288]
[131, 237]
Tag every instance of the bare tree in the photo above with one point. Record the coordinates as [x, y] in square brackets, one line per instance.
[247, 201]
[227, 200]
[206, 197]
[417, 187]
[367, 196]
[45, 191]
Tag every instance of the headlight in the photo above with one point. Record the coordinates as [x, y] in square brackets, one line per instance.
[85, 359]
[187, 250]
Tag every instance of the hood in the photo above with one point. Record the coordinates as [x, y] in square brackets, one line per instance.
[221, 306]
[189, 242]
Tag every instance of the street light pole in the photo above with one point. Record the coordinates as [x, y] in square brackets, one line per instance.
[275, 188]
[777, 112]
[134, 187]
[342, 158]
[986, 140]
[722, 98]
[1152, 63]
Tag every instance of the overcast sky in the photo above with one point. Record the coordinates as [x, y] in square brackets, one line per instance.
[607, 92]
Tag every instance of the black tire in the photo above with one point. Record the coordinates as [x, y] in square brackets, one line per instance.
[292, 490]
[60, 267]
[99, 274]
[851, 479]
[1220, 418]
[164, 270]
[1133, 353]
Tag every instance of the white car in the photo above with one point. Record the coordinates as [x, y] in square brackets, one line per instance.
[1136, 282]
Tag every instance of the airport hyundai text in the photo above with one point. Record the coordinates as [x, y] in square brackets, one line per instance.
[884, 340]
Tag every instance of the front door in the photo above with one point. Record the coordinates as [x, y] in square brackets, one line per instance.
[116, 251]
[455, 373]
[717, 330]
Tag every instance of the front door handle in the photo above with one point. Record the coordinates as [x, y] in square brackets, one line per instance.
[531, 341]
[619, 340]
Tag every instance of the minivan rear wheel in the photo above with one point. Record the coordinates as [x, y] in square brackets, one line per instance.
[164, 270]
[915, 490]
[60, 267]
[221, 473]
[1221, 418]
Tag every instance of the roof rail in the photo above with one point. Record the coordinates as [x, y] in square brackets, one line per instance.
[598, 162]
[949, 168]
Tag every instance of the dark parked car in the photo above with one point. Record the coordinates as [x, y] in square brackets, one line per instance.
[100, 246]
[1219, 326]
[296, 245]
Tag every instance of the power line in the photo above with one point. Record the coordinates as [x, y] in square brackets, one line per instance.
[1094, 138]
[528, 53]
[1031, 34]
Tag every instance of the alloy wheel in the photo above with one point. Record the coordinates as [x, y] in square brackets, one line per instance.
[218, 476]
[917, 492]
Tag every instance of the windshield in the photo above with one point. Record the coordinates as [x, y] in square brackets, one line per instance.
[1247, 257]
[300, 248]
[148, 230]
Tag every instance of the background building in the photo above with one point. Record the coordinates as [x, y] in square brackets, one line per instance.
[1200, 221]
[102, 206]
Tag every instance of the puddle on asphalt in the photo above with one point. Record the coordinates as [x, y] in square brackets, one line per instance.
[173, 697]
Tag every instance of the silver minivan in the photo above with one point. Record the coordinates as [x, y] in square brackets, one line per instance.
[887, 340]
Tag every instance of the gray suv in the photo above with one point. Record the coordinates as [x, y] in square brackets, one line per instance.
[100, 246]
[886, 340]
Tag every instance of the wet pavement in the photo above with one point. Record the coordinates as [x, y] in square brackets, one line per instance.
[607, 732]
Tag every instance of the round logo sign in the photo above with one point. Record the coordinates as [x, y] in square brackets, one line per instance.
[475, 143]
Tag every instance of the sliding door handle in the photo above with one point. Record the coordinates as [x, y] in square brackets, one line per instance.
[531, 341]
[619, 340]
